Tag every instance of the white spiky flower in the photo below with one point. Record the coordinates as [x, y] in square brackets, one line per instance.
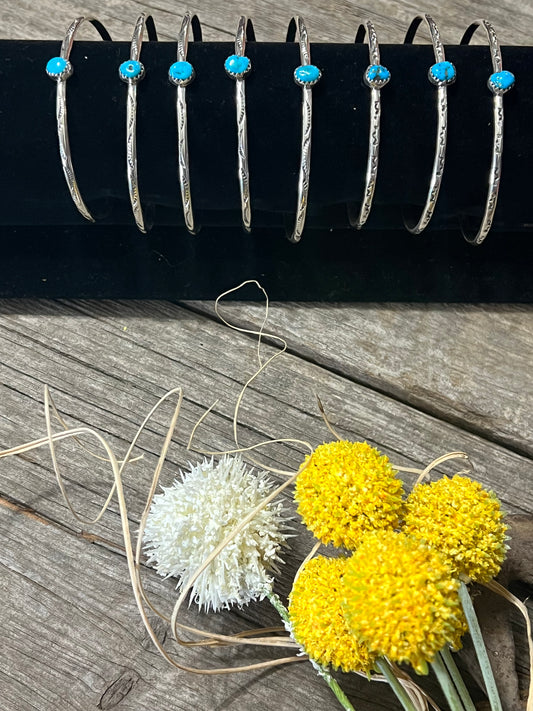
[192, 516]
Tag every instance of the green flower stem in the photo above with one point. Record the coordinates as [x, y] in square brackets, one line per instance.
[481, 650]
[455, 674]
[447, 685]
[398, 689]
[324, 673]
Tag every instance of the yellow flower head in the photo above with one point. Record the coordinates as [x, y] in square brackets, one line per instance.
[401, 599]
[347, 489]
[462, 520]
[317, 620]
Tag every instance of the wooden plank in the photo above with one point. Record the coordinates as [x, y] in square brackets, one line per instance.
[95, 349]
[327, 21]
[74, 640]
[176, 347]
[465, 364]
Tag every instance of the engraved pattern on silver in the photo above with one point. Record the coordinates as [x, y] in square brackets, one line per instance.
[181, 114]
[131, 128]
[307, 114]
[440, 144]
[497, 146]
[62, 127]
[374, 136]
[242, 130]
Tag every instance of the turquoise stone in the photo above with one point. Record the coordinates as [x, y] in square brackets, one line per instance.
[442, 73]
[377, 75]
[307, 74]
[500, 82]
[237, 66]
[181, 73]
[57, 66]
[131, 70]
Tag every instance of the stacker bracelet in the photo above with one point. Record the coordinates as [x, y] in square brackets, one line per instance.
[499, 82]
[306, 76]
[132, 71]
[375, 77]
[60, 69]
[238, 66]
[440, 74]
[181, 74]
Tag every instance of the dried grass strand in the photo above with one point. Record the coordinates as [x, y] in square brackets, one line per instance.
[497, 588]
[424, 474]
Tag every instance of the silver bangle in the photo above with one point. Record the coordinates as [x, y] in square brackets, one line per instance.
[60, 69]
[181, 74]
[132, 71]
[306, 76]
[499, 82]
[238, 66]
[441, 74]
[375, 77]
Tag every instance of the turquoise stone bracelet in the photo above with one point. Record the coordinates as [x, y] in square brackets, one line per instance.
[131, 71]
[501, 82]
[442, 73]
[376, 76]
[181, 73]
[237, 66]
[307, 75]
[59, 68]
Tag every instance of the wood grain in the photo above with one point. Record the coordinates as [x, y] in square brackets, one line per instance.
[413, 380]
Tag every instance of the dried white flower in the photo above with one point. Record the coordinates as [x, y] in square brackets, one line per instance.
[192, 516]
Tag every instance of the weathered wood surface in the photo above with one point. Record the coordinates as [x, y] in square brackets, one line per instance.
[414, 380]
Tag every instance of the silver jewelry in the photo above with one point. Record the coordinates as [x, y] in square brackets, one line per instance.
[306, 76]
[60, 69]
[132, 71]
[181, 74]
[375, 77]
[499, 82]
[238, 66]
[441, 74]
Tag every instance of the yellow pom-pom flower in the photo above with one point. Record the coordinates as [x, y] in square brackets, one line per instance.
[463, 521]
[347, 489]
[317, 621]
[401, 599]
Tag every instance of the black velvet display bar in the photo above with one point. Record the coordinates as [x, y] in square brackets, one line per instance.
[50, 250]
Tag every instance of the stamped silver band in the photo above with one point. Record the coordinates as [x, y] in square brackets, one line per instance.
[499, 83]
[60, 69]
[181, 74]
[132, 71]
[306, 75]
[376, 76]
[238, 66]
[441, 80]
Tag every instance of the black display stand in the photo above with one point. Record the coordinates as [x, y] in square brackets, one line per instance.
[49, 250]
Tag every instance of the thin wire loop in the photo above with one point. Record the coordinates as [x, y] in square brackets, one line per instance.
[498, 89]
[60, 69]
[376, 77]
[441, 74]
[306, 76]
[132, 71]
[181, 74]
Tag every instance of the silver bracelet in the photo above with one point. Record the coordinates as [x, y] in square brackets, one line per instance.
[60, 69]
[499, 82]
[375, 77]
[181, 74]
[238, 66]
[306, 76]
[132, 71]
[441, 74]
